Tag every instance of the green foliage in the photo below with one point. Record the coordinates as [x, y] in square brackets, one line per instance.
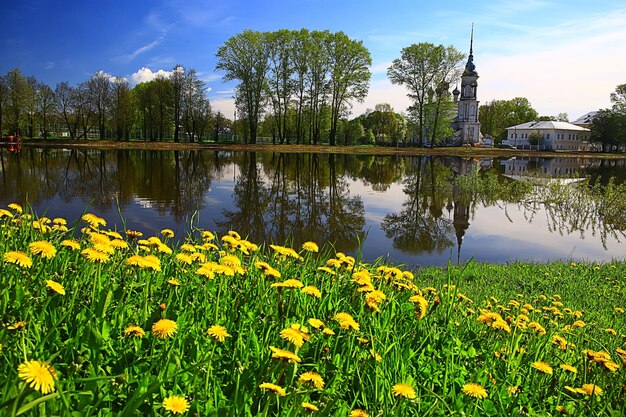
[496, 115]
[423, 68]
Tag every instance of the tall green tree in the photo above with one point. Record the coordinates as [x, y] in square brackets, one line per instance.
[281, 86]
[177, 80]
[99, 93]
[122, 108]
[17, 95]
[349, 76]
[422, 68]
[244, 57]
[496, 115]
[46, 106]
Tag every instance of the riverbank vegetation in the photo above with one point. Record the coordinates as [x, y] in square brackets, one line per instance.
[109, 322]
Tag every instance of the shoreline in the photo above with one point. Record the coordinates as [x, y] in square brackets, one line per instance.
[468, 152]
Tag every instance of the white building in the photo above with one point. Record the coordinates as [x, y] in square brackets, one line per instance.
[552, 136]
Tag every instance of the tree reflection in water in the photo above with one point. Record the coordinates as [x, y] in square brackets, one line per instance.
[291, 198]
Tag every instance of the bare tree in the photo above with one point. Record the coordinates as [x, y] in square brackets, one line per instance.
[99, 94]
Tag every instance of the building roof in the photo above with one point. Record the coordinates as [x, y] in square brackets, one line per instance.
[585, 119]
[549, 124]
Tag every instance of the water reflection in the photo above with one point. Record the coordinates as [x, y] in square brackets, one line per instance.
[416, 210]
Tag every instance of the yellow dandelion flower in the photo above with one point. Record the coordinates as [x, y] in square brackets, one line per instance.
[152, 262]
[568, 368]
[475, 390]
[310, 247]
[578, 323]
[133, 233]
[421, 305]
[611, 366]
[346, 321]
[357, 412]
[316, 323]
[119, 244]
[70, 244]
[309, 407]
[590, 389]
[218, 332]
[294, 336]
[43, 248]
[537, 328]
[18, 325]
[290, 283]
[16, 207]
[134, 331]
[328, 332]
[93, 220]
[312, 378]
[327, 270]
[542, 367]
[167, 233]
[501, 325]
[273, 388]
[18, 258]
[6, 213]
[95, 256]
[174, 282]
[164, 328]
[230, 260]
[104, 248]
[176, 404]
[207, 236]
[610, 331]
[55, 286]
[184, 258]
[163, 248]
[403, 390]
[312, 291]
[38, 375]
[267, 269]
[284, 354]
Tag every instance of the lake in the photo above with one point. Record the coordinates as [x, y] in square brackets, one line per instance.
[406, 209]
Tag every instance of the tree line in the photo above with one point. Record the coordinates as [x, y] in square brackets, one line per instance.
[106, 107]
[609, 125]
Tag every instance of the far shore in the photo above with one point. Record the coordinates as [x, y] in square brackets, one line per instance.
[468, 152]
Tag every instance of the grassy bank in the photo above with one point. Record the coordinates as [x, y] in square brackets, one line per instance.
[101, 322]
[294, 148]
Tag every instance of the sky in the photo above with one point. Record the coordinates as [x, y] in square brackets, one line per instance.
[564, 56]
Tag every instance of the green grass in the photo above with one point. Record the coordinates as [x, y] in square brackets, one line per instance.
[102, 371]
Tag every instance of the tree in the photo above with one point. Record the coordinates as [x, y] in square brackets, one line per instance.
[17, 94]
[178, 79]
[99, 93]
[281, 86]
[349, 75]
[196, 109]
[496, 115]
[618, 98]
[316, 82]
[122, 108]
[46, 106]
[422, 69]
[535, 138]
[244, 57]
[64, 94]
[608, 129]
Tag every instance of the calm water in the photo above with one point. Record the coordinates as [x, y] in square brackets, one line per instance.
[412, 210]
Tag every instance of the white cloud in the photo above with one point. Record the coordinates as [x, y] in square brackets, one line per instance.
[145, 74]
[224, 105]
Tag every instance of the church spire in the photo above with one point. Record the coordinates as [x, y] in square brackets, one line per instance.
[472, 42]
[470, 68]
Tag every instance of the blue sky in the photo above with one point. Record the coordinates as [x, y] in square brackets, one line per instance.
[564, 56]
